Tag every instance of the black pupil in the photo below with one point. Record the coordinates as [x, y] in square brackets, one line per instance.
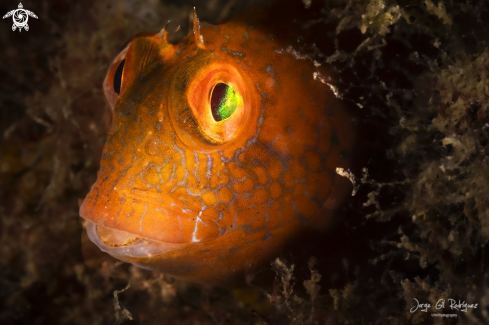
[218, 94]
[118, 77]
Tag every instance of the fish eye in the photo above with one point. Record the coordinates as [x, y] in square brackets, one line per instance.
[217, 102]
[224, 101]
[117, 83]
[114, 78]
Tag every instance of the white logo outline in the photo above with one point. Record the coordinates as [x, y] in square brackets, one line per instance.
[20, 17]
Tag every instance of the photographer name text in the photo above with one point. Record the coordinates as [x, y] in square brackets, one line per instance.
[442, 304]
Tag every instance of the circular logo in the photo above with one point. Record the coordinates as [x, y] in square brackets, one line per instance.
[20, 17]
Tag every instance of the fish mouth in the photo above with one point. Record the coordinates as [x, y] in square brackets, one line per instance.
[124, 217]
[124, 245]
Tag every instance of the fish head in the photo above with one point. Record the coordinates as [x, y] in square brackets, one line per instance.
[220, 150]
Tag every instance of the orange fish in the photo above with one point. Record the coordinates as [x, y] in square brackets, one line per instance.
[222, 148]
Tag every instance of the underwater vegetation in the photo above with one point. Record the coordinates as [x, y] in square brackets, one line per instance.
[416, 76]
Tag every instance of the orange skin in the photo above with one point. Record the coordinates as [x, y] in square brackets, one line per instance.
[208, 201]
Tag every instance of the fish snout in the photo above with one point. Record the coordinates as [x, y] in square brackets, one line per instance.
[123, 216]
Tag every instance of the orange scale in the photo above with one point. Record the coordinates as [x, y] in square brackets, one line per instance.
[275, 190]
[275, 169]
[225, 195]
[223, 178]
[312, 184]
[215, 181]
[151, 176]
[288, 212]
[209, 198]
[192, 181]
[283, 146]
[259, 220]
[202, 170]
[180, 172]
[274, 211]
[260, 196]
[166, 172]
[288, 179]
[235, 171]
[243, 187]
[261, 174]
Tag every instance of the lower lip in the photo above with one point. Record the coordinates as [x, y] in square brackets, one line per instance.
[121, 244]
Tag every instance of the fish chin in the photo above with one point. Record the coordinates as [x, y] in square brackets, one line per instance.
[198, 262]
[194, 261]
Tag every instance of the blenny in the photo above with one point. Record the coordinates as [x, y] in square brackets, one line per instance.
[222, 148]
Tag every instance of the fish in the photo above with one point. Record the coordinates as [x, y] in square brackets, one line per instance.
[222, 148]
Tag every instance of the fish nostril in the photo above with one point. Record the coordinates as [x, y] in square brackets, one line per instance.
[116, 238]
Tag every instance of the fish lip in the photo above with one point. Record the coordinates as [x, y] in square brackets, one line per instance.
[180, 223]
[143, 247]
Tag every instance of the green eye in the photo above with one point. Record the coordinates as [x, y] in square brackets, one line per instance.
[224, 101]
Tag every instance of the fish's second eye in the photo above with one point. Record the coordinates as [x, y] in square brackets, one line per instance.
[118, 77]
[223, 102]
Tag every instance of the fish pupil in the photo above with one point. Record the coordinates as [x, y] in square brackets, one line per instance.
[223, 102]
[118, 77]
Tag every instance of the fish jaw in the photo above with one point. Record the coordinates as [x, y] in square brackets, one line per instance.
[197, 262]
